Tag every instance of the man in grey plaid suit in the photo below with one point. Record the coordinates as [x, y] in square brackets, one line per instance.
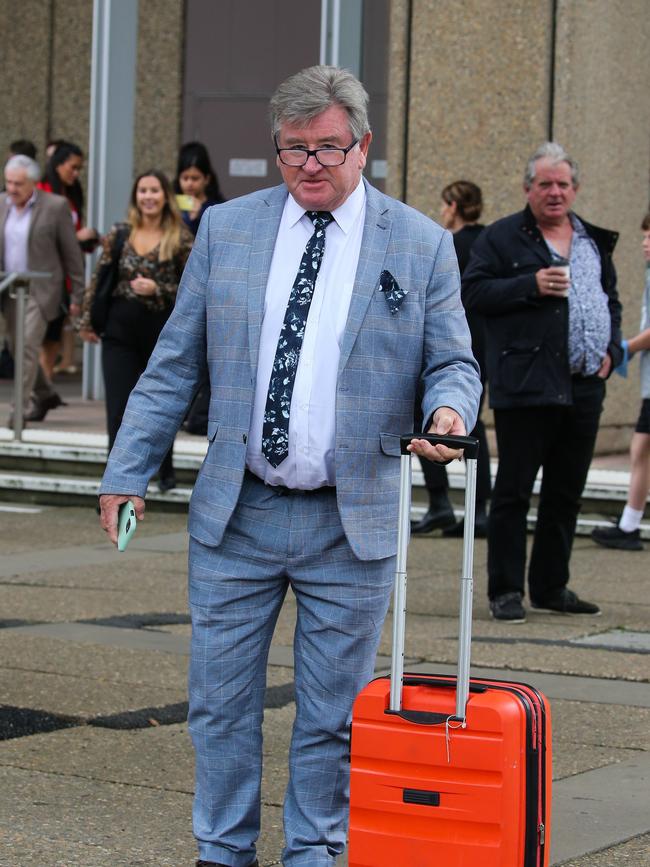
[316, 308]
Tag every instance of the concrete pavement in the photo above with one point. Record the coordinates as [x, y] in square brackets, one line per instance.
[96, 762]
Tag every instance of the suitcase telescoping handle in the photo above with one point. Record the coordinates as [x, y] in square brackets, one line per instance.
[470, 447]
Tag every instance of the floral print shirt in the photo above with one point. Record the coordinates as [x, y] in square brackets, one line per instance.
[166, 275]
[589, 319]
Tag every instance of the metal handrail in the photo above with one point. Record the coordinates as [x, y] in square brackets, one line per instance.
[19, 280]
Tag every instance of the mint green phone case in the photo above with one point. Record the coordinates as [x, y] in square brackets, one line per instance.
[126, 525]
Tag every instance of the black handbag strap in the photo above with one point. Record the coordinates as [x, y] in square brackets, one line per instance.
[122, 233]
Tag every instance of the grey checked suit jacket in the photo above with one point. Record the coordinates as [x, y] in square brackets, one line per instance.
[216, 323]
[52, 246]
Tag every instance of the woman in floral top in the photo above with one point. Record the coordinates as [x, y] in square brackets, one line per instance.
[150, 266]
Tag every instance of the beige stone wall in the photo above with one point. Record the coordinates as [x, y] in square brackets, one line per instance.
[159, 85]
[397, 96]
[479, 97]
[25, 61]
[46, 76]
[602, 114]
[70, 84]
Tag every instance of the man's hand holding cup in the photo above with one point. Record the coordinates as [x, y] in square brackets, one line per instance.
[554, 280]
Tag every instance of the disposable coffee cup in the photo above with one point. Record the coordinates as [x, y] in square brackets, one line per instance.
[565, 266]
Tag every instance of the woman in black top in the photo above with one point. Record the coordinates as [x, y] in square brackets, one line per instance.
[462, 203]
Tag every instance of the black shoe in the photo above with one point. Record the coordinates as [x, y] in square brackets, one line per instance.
[436, 517]
[166, 483]
[458, 529]
[614, 537]
[42, 407]
[200, 863]
[508, 607]
[567, 602]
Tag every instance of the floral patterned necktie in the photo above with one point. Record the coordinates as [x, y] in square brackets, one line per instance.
[275, 430]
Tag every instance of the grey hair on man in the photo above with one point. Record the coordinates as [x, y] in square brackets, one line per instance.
[310, 92]
[555, 153]
[20, 161]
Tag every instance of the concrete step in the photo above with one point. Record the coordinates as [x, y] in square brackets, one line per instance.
[65, 468]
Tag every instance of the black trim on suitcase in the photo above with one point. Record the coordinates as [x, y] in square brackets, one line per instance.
[421, 796]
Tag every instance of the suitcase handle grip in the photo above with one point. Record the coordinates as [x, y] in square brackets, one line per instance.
[440, 682]
[423, 717]
[468, 444]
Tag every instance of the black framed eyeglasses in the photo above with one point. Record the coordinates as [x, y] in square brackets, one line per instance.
[326, 156]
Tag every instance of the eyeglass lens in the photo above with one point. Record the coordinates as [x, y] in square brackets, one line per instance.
[325, 156]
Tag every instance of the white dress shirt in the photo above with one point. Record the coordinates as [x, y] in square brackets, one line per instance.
[312, 422]
[16, 231]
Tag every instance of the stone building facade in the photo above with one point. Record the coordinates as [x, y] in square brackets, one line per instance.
[473, 88]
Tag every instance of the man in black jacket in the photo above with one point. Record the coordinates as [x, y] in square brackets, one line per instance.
[545, 281]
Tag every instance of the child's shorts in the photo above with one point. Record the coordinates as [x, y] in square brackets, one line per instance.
[643, 424]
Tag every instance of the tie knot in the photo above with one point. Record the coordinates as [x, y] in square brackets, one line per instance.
[320, 219]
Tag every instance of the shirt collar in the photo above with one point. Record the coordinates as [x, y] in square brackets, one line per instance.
[345, 215]
[578, 228]
[28, 204]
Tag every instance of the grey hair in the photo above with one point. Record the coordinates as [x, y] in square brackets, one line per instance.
[310, 92]
[554, 152]
[20, 161]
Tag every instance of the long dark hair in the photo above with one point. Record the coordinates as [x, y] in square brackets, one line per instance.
[74, 192]
[191, 155]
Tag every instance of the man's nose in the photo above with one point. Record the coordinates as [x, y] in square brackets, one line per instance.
[312, 164]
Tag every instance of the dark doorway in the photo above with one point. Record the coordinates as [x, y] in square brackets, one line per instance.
[235, 56]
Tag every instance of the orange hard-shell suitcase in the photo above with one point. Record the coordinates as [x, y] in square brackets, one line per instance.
[448, 771]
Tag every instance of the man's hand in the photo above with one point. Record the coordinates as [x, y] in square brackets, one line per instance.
[445, 421]
[552, 281]
[606, 367]
[110, 507]
[143, 286]
[88, 335]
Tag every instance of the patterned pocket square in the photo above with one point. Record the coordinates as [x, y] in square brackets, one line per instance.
[394, 295]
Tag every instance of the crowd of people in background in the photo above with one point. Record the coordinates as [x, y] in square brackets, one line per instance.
[143, 258]
[146, 254]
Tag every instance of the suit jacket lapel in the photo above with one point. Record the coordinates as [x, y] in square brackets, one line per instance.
[265, 230]
[374, 243]
[37, 210]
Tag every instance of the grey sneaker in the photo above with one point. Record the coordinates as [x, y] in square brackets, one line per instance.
[614, 537]
[508, 607]
[567, 602]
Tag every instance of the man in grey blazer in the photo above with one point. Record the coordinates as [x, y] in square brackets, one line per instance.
[315, 308]
[37, 235]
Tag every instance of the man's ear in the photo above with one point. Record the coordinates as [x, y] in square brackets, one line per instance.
[364, 144]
